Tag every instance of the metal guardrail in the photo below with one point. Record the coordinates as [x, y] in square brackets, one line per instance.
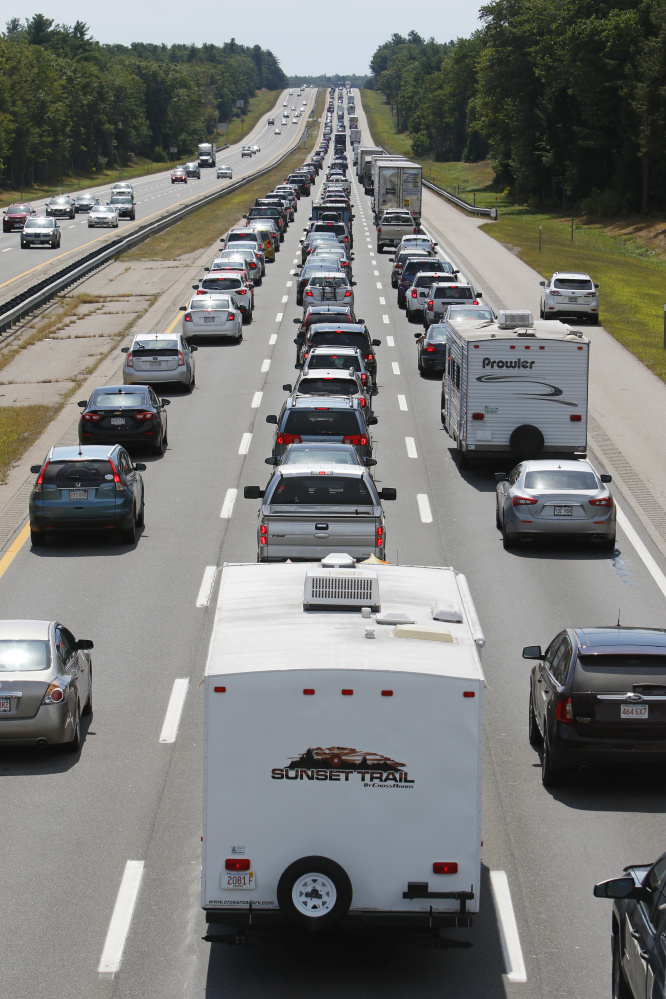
[29, 300]
[490, 213]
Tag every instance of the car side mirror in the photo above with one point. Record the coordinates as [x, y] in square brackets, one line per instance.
[82, 403]
[245, 216]
[286, 388]
[596, 286]
[622, 888]
[253, 492]
[124, 350]
[271, 418]
[139, 467]
[532, 652]
[195, 287]
[296, 322]
[371, 421]
[456, 271]
[606, 478]
[418, 335]
[84, 645]
[435, 244]
[370, 462]
[165, 402]
[500, 477]
[271, 460]
[375, 343]
[193, 347]
[479, 294]
[391, 260]
[35, 469]
[183, 308]
[223, 239]
[388, 493]
[542, 283]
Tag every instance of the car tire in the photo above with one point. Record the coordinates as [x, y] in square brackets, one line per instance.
[314, 893]
[461, 458]
[88, 706]
[141, 518]
[75, 745]
[37, 538]
[248, 318]
[422, 371]
[533, 733]
[595, 320]
[609, 543]
[619, 987]
[498, 522]
[128, 534]
[509, 541]
[551, 776]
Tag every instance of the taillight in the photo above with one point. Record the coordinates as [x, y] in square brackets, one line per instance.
[181, 359]
[414, 293]
[364, 379]
[379, 539]
[91, 417]
[430, 350]
[252, 266]
[55, 692]
[362, 402]
[379, 229]
[524, 501]
[369, 357]
[237, 864]
[602, 501]
[144, 416]
[40, 478]
[309, 293]
[288, 439]
[130, 362]
[230, 317]
[447, 866]
[477, 416]
[563, 712]
[347, 294]
[575, 417]
[415, 230]
[188, 319]
[117, 481]
[431, 304]
[358, 440]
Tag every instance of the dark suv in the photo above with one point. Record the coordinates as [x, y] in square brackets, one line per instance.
[124, 205]
[413, 265]
[312, 419]
[267, 212]
[598, 696]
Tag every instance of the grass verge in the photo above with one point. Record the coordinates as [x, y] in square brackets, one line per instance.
[20, 427]
[261, 104]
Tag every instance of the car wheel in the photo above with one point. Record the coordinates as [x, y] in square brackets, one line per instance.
[509, 540]
[128, 534]
[380, 247]
[422, 370]
[620, 989]
[551, 776]
[498, 522]
[541, 316]
[88, 706]
[37, 538]
[461, 457]
[141, 519]
[75, 745]
[595, 320]
[533, 733]
[247, 319]
[189, 387]
[314, 893]
[239, 338]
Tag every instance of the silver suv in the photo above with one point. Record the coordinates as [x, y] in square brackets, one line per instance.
[570, 294]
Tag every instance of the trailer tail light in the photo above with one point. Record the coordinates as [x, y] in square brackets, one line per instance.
[477, 416]
[346, 692]
[387, 693]
[445, 867]
[523, 501]
[237, 864]
[563, 712]
[309, 691]
[575, 417]
[469, 693]
[602, 501]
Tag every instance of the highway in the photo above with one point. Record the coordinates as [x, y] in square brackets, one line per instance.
[154, 194]
[71, 825]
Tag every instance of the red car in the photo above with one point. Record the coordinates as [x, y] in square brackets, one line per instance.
[179, 176]
[14, 217]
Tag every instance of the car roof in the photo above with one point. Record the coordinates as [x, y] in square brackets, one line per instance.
[121, 390]
[552, 464]
[330, 349]
[173, 335]
[327, 373]
[609, 640]
[571, 274]
[290, 471]
[25, 629]
[74, 452]
[328, 327]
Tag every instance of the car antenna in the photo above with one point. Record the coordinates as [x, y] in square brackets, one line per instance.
[618, 620]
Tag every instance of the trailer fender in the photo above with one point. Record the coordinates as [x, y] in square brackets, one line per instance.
[314, 893]
[526, 442]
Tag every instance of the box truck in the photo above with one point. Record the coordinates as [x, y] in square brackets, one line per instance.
[353, 121]
[515, 388]
[396, 183]
[354, 135]
[342, 747]
[206, 154]
[364, 154]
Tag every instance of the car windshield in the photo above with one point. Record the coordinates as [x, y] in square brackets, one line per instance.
[327, 386]
[204, 303]
[18, 209]
[158, 343]
[473, 315]
[119, 400]
[557, 479]
[81, 472]
[573, 284]
[106, 209]
[24, 656]
[322, 489]
[37, 223]
[319, 422]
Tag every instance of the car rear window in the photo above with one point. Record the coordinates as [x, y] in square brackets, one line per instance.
[208, 303]
[337, 227]
[619, 673]
[242, 237]
[66, 474]
[425, 280]
[224, 284]
[24, 656]
[396, 220]
[328, 386]
[322, 489]
[428, 263]
[338, 338]
[561, 478]
[436, 335]
[574, 284]
[328, 281]
[339, 318]
[454, 293]
[119, 400]
[319, 422]
[342, 362]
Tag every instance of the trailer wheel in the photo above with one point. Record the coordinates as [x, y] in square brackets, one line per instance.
[314, 893]
[526, 442]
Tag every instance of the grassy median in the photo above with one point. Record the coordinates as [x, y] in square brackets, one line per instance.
[20, 427]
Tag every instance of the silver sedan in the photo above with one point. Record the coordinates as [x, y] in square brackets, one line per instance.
[103, 215]
[156, 358]
[212, 316]
[45, 684]
[552, 497]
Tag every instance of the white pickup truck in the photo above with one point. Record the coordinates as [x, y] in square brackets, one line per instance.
[392, 226]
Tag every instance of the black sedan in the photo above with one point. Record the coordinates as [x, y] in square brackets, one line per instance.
[431, 350]
[598, 697]
[124, 414]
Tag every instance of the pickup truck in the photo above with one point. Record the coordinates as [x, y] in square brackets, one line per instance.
[307, 511]
[392, 226]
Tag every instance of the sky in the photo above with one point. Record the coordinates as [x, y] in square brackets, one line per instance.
[308, 38]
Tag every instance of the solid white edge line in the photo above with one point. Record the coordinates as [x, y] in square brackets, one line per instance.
[396, 367]
[641, 550]
[206, 587]
[174, 710]
[402, 402]
[424, 508]
[411, 447]
[265, 365]
[513, 954]
[228, 505]
[272, 340]
[256, 400]
[244, 445]
[121, 918]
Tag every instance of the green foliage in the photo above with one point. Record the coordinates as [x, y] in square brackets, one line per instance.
[69, 104]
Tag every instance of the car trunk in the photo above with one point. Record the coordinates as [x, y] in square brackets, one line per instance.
[23, 694]
[620, 697]
[160, 359]
[86, 487]
[569, 506]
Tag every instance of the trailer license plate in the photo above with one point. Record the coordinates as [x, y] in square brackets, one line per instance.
[237, 880]
[78, 494]
[633, 711]
[5, 704]
[563, 511]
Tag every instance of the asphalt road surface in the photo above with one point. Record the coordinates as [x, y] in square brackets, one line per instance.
[70, 825]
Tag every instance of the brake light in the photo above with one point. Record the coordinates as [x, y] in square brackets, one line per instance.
[91, 417]
[446, 866]
[362, 402]
[230, 317]
[364, 379]
[144, 416]
[563, 712]
[369, 357]
[263, 529]
[309, 293]
[188, 319]
[431, 304]
[117, 481]
[241, 291]
[55, 692]
[430, 350]
[129, 361]
[602, 501]
[379, 229]
[379, 536]
[477, 416]
[347, 294]
[237, 864]
[357, 440]
[414, 293]
[252, 266]
[415, 230]
[40, 478]
[288, 439]
[181, 359]
[524, 501]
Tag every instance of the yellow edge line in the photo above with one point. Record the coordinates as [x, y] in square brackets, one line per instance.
[14, 549]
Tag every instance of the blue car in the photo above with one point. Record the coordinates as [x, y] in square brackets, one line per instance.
[91, 487]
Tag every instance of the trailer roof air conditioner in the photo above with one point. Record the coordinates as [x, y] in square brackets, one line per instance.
[507, 320]
[340, 588]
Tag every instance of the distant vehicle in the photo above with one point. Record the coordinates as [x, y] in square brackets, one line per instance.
[123, 187]
[103, 215]
[207, 152]
[431, 350]
[124, 206]
[60, 207]
[312, 419]
[84, 202]
[255, 149]
[14, 217]
[192, 170]
[40, 232]
[47, 676]
[212, 315]
[570, 296]
[277, 132]
[224, 171]
[179, 176]
[86, 488]
[246, 151]
[271, 121]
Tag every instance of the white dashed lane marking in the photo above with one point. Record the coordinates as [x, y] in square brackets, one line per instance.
[112, 954]
[174, 710]
[285, 298]
[271, 341]
[382, 301]
[256, 400]
[411, 447]
[424, 508]
[385, 318]
[402, 402]
[390, 342]
[396, 367]
[244, 447]
[265, 365]
[228, 505]
[278, 318]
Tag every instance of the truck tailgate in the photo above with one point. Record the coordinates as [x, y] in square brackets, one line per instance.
[312, 535]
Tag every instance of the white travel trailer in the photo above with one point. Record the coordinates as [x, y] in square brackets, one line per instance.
[515, 388]
[342, 748]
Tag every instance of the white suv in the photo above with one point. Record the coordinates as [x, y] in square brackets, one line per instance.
[571, 295]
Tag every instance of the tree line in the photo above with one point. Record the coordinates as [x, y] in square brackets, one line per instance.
[70, 104]
[566, 97]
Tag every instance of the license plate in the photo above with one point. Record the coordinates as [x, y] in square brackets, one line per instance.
[117, 421]
[209, 319]
[155, 364]
[572, 298]
[5, 704]
[78, 494]
[563, 511]
[633, 711]
[237, 880]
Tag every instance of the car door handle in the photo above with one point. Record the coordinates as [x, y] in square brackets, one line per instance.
[635, 934]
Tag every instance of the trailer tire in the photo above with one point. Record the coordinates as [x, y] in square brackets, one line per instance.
[314, 893]
[526, 442]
